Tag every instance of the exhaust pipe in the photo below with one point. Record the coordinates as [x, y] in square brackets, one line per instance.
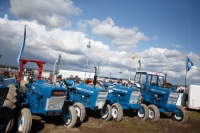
[95, 77]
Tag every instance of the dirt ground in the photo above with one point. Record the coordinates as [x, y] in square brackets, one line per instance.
[129, 124]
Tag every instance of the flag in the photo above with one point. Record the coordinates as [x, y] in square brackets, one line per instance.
[139, 65]
[58, 65]
[189, 64]
[22, 48]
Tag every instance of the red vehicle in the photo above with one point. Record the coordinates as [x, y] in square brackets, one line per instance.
[89, 80]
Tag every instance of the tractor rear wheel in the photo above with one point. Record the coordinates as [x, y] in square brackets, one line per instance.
[183, 115]
[117, 112]
[154, 114]
[80, 111]
[106, 113]
[6, 120]
[70, 117]
[24, 121]
[143, 113]
[11, 98]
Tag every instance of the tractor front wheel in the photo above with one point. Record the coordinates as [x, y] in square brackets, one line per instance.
[24, 121]
[182, 116]
[80, 111]
[143, 113]
[106, 113]
[70, 117]
[154, 114]
[117, 112]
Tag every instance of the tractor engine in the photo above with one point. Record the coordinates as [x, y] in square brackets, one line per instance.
[87, 95]
[45, 98]
[164, 98]
[124, 96]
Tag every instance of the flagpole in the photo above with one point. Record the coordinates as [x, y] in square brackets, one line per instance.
[185, 78]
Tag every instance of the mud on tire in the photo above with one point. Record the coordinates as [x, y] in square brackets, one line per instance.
[11, 97]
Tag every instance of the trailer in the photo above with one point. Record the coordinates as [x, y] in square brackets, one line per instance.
[192, 97]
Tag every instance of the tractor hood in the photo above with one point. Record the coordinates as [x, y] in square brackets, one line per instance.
[87, 88]
[46, 89]
[167, 93]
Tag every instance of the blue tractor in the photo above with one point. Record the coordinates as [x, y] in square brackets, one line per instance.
[39, 97]
[6, 114]
[122, 98]
[83, 97]
[157, 96]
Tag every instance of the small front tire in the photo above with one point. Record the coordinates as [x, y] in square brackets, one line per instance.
[70, 117]
[117, 112]
[143, 113]
[24, 121]
[154, 114]
[106, 113]
[80, 111]
[184, 116]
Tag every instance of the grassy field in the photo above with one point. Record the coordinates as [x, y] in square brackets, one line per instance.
[129, 124]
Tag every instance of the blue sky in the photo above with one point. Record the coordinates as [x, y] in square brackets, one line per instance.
[161, 34]
[165, 19]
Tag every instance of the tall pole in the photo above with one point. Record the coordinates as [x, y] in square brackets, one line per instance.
[98, 66]
[88, 46]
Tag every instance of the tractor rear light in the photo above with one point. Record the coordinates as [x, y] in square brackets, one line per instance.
[58, 93]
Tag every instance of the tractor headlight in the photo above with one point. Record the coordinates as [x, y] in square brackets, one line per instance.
[50, 106]
[60, 106]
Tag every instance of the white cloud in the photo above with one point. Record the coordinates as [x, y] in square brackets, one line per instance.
[51, 13]
[176, 45]
[46, 45]
[125, 38]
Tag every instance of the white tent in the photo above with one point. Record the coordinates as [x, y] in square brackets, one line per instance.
[80, 74]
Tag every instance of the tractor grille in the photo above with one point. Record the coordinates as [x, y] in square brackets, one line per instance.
[54, 103]
[134, 97]
[173, 97]
[101, 98]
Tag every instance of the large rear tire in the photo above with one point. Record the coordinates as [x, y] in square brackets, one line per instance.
[80, 111]
[6, 120]
[117, 112]
[24, 121]
[154, 114]
[183, 115]
[143, 113]
[11, 97]
[70, 117]
[106, 113]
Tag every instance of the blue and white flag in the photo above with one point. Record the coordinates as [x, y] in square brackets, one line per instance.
[22, 48]
[189, 64]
